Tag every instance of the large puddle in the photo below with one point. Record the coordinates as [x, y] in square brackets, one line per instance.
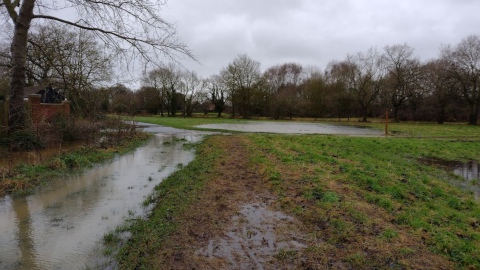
[468, 171]
[62, 225]
[294, 128]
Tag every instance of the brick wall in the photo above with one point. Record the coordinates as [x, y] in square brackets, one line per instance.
[40, 112]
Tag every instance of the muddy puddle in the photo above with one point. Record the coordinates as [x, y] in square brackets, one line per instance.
[294, 128]
[468, 171]
[62, 225]
[253, 237]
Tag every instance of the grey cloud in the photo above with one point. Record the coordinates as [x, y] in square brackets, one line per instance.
[315, 32]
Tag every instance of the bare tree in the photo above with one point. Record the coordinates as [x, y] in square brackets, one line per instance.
[217, 91]
[148, 99]
[464, 66]
[439, 86]
[403, 75]
[191, 87]
[363, 76]
[241, 76]
[282, 84]
[69, 60]
[126, 26]
[316, 93]
[167, 80]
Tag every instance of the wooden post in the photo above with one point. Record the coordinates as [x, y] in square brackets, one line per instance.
[386, 122]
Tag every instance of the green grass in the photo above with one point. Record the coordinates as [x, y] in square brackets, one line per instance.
[382, 172]
[459, 130]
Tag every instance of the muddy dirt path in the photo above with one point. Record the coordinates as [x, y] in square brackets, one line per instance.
[235, 224]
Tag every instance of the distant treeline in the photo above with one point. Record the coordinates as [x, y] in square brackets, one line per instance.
[363, 85]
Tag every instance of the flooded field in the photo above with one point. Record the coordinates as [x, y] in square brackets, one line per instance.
[295, 128]
[62, 225]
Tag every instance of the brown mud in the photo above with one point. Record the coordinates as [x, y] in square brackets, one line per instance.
[235, 224]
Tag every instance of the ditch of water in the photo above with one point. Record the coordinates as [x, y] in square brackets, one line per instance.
[61, 226]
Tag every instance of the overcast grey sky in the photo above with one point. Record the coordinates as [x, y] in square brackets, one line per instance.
[315, 32]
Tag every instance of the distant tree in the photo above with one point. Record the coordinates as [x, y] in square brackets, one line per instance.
[439, 86]
[167, 80]
[154, 80]
[217, 93]
[316, 93]
[190, 89]
[283, 91]
[123, 100]
[127, 26]
[241, 77]
[339, 101]
[363, 76]
[403, 75]
[464, 66]
[148, 99]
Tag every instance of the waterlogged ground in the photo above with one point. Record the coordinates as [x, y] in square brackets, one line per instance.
[467, 172]
[234, 224]
[62, 225]
[294, 128]
[249, 216]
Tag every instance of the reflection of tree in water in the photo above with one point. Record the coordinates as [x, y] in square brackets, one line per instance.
[61, 223]
[24, 234]
[469, 171]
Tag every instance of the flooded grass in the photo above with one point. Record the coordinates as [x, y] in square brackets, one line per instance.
[24, 178]
[457, 131]
[185, 123]
[467, 174]
[169, 199]
[65, 220]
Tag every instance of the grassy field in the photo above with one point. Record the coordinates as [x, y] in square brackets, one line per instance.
[366, 202]
[372, 192]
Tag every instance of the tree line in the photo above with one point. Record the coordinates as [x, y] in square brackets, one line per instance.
[363, 84]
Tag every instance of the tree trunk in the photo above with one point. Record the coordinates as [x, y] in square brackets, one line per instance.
[473, 117]
[441, 115]
[364, 114]
[395, 114]
[18, 49]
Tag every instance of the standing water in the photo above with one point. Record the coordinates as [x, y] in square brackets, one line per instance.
[62, 225]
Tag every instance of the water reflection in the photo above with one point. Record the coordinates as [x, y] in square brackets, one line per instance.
[295, 128]
[469, 171]
[61, 226]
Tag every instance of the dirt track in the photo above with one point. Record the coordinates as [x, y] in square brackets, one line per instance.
[235, 224]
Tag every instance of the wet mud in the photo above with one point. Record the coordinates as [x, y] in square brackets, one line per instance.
[256, 234]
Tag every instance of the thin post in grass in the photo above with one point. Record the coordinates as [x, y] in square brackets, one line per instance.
[386, 122]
